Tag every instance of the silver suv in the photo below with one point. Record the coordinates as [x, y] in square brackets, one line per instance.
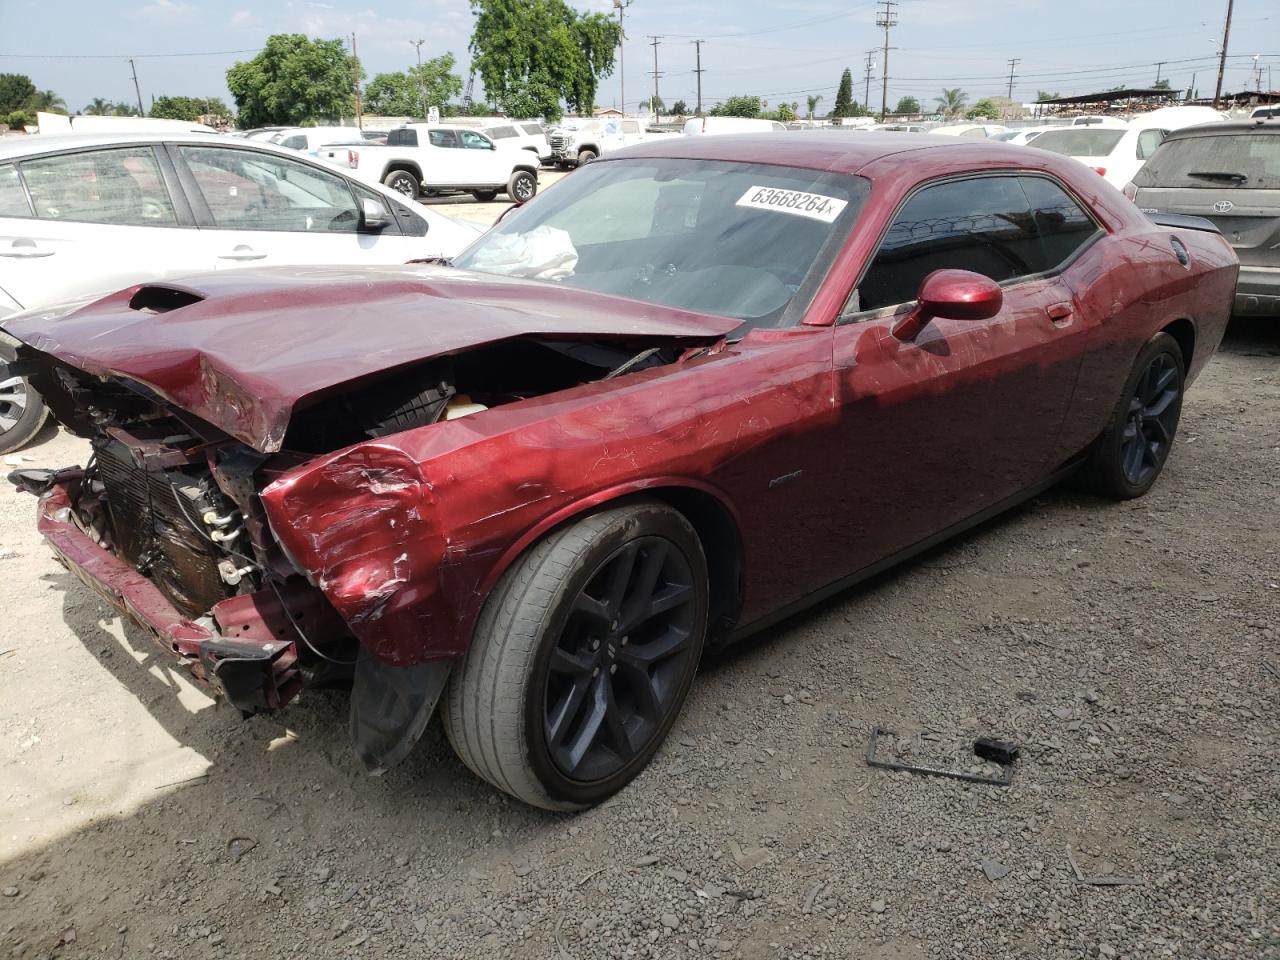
[1228, 173]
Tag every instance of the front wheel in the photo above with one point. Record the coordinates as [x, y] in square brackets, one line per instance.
[22, 412]
[522, 186]
[1127, 459]
[402, 181]
[582, 657]
[586, 155]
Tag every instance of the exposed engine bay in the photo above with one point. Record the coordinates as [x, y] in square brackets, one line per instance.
[178, 499]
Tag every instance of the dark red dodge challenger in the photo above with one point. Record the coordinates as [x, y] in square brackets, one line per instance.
[686, 392]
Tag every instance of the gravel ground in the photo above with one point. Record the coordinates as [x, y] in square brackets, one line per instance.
[1132, 650]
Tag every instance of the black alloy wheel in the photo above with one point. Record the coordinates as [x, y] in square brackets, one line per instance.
[617, 669]
[1152, 420]
[401, 181]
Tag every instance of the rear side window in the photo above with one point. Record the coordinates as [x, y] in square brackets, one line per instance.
[296, 142]
[1080, 141]
[532, 129]
[982, 224]
[443, 138]
[1249, 161]
[630, 126]
[405, 138]
[13, 200]
[1148, 140]
[120, 186]
[1063, 225]
[501, 133]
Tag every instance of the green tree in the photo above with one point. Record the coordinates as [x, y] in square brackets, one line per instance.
[907, 105]
[17, 119]
[412, 92]
[527, 49]
[531, 98]
[99, 108]
[952, 101]
[48, 101]
[16, 91]
[785, 113]
[1046, 95]
[649, 105]
[813, 100]
[125, 110]
[293, 81]
[1161, 85]
[984, 109]
[178, 108]
[679, 109]
[737, 107]
[844, 95]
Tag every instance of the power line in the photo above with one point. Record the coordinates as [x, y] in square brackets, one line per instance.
[120, 56]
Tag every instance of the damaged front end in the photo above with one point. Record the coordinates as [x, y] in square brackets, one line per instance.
[315, 559]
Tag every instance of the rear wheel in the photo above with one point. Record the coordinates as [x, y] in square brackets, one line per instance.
[582, 657]
[22, 412]
[403, 181]
[522, 186]
[485, 196]
[1129, 456]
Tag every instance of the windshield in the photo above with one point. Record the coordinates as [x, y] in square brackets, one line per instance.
[742, 240]
[1080, 141]
[1245, 161]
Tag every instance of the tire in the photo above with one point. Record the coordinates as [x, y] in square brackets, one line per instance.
[485, 196]
[404, 182]
[1127, 459]
[586, 155]
[22, 411]
[522, 186]
[533, 653]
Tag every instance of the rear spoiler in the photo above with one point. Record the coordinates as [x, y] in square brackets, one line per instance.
[1183, 221]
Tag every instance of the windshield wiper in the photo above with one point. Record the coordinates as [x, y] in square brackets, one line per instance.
[1218, 175]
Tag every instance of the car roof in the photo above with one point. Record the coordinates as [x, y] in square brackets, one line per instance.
[838, 152]
[15, 148]
[1226, 128]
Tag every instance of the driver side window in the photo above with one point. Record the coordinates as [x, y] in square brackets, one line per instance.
[474, 141]
[246, 190]
[982, 224]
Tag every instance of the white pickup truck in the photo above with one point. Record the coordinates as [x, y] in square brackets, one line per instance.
[575, 142]
[433, 159]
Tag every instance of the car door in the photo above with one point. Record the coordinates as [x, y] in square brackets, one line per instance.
[956, 421]
[445, 163]
[485, 164]
[256, 208]
[88, 221]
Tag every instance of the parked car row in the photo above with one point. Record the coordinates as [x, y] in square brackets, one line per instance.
[84, 215]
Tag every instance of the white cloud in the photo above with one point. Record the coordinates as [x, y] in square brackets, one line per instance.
[245, 18]
[167, 10]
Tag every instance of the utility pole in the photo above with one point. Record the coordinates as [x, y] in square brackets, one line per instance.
[1159, 65]
[1222, 59]
[886, 18]
[422, 86]
[136, 88]
[1013, 66]
[697, 46]
[869, 66]
[653, 42]
[1191, 94]
[621, 6]
[355, 77]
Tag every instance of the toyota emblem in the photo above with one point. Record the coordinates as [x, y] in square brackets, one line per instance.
[1222, 206]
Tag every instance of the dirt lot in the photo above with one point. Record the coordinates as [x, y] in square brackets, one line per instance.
[1124, 646]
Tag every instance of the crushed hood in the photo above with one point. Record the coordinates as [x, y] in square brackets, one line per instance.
[243, 349]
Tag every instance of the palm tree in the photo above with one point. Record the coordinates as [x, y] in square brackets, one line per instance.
[952, 101]
[814, 99]
[99, 107]
[47, 101]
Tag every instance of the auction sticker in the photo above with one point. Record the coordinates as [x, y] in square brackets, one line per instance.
[812, 205]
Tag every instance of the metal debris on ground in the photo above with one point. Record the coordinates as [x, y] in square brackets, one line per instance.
[991, 748]
[1101, 880]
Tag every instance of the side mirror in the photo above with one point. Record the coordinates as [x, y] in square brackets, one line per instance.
[952, 295]
[373, 215]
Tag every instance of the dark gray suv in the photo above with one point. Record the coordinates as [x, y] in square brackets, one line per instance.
[1229, 173]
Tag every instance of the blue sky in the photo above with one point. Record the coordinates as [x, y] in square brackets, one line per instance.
[779, 52]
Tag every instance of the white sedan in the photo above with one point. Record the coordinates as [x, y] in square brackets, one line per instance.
[89, 214]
